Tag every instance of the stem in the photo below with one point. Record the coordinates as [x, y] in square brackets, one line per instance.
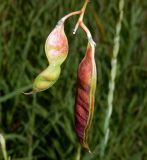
[3, 147]
[78, 157]
[80, 20]
[112, 79]
[31, 129]
[84, 27]
[81, 16]
[69, 15]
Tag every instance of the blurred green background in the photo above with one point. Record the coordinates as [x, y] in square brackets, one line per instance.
[41, 126]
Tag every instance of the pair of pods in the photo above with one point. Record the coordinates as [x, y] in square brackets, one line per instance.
[56, 49]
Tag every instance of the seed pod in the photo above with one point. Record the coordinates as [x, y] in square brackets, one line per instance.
[85, 95]
[56, 50]
[56, 46]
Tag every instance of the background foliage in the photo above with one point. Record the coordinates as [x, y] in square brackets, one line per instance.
[42, 126]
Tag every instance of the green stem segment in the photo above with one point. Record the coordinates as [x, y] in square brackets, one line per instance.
[3, 147]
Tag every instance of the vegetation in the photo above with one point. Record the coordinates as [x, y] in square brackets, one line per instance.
[41, 126]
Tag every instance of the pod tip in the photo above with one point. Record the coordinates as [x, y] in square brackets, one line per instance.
[29, 93]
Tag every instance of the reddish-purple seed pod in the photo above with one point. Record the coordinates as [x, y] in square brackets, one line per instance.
[85, 95]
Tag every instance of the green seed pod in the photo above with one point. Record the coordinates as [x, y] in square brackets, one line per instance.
[56, 50]
[85, 95]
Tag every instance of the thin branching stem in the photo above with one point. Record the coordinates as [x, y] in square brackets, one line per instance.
[81, 16]
[112, 78]
[70, 14]
[81, 12]
[88, 33]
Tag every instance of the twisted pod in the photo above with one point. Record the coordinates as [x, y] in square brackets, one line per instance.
[56, 50]
[85, 95]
